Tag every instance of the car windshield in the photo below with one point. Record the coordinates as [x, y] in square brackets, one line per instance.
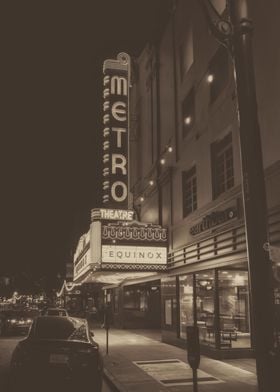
[59, 328]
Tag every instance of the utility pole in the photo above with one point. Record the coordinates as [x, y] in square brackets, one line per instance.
[236, 33]
[254, 195]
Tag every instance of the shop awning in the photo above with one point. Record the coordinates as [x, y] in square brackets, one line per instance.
[116, 278]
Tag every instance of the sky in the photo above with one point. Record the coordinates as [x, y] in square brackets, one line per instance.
[51, 74]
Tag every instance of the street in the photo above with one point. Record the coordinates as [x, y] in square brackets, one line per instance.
[7, 345]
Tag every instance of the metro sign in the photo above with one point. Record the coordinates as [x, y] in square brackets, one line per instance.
[115, 132]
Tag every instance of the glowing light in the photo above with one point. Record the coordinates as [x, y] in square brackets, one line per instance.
[162, 161]
[188, 120]
[151, 182]
[210, 78]
[170, 149]
[142, 199]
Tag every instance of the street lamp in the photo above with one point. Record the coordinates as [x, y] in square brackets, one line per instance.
[236, 35]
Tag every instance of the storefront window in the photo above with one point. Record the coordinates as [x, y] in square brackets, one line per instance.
[205, 307]
[135, 299]
[168, 310]
[234, 309]
[186, 303]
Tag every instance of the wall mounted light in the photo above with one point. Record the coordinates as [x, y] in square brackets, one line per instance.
[188, 120]
[210, 78]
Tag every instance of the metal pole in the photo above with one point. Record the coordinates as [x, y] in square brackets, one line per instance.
[107, 340]
[195, 387]
[254, 194]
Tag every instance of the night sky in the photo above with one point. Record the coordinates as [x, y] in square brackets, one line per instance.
[51, 75]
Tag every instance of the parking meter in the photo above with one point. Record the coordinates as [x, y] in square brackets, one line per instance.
[107, 323]
[193, 347]
[107, 316]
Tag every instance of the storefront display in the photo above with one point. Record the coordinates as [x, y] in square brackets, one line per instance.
[186, 303]
[234, 308]
[218, 301]
[205, 307]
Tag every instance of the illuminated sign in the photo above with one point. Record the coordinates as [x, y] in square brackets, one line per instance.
[83, 265]
[116, 83]
[112, 214]
[134, 254]
[214, 219]
[148, 234]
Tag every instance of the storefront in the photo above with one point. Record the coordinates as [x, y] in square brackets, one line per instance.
[208, 285]
[218, 301]
[136, 302]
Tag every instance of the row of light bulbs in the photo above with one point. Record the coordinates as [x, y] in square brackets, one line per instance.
[162, 162]
[169, 148]
[188, 120]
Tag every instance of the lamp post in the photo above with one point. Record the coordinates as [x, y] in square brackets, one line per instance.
[236, 34]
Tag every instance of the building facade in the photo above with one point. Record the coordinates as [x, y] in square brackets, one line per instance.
[186, 171]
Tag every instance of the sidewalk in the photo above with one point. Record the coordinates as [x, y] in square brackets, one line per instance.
[139, 362]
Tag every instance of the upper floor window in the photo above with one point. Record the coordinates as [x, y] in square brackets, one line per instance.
[188, 112]
[218, 73]
[222, 165]
[189, 187]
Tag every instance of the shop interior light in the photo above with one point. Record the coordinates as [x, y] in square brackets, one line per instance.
[142, 199]
[162, 161]
[151, 182]
[170, 149]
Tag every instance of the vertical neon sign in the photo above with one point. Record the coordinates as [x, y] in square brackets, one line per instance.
[116, 82]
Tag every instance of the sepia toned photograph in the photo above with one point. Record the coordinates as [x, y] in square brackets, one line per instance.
[140, 196]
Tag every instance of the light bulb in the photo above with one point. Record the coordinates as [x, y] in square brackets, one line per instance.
[188, 120]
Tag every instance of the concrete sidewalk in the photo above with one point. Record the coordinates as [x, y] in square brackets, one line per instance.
[138, 361]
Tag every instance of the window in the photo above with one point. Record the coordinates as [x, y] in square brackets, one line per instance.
[218, 73]
[205, 307]
[186, 303]
[189, 188]
[222, 165]
[234, 309]
[135, 299]
[188, 113]
[168, 306]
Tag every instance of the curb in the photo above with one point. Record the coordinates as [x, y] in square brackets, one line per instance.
[113, 383]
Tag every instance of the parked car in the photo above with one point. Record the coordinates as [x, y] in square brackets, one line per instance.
[14, 322]
[58, 354]
[55, 312]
